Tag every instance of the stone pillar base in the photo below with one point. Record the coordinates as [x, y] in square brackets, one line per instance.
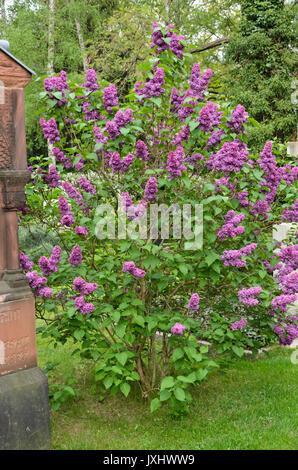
[24, 411]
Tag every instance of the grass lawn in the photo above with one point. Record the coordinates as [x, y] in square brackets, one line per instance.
[252, 404]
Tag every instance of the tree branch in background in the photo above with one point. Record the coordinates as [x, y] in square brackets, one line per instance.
[211, 45]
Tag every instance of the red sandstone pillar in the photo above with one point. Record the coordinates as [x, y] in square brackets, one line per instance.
[24, 405]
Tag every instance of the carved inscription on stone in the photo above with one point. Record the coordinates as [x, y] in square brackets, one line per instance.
[10, 315]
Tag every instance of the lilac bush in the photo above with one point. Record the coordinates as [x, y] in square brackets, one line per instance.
[137, 305]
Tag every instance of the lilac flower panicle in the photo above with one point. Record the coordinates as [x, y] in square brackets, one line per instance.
[112, 130]
[75, 257]
[153, 87]
[91, 80]
[130, 267]
[83, 287]
[50, 130]
[238, 117]
[158, 40]
[282, 301]
[142, 150]
[67, 220]
[175, 164]
[110, 97]
[214, 139]
[209, 117]
[44, 291]
[64, 207]
[100, 138]
[35, 280]
[230, 158]
[86, 185]
[178, 329]
[61, 158]
[239, 325]
[193, 303]
[151, 189]
[81, 231]
[230, 229]
[246, 296]
[198, 83]
[25, 263]
[52, 178]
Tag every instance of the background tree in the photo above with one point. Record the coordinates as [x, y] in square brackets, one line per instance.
[262, 64]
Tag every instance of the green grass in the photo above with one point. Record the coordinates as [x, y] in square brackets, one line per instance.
[250, 405]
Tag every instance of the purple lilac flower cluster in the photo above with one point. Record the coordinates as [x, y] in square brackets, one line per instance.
[282, 301]
[50, 265]
[230, 229]
[52, 178]
[175, 163]
[86, 185]
[289, 256]
[142, 150]
[110, 97]
[130, 267]
[176, 100]
[60, 157]
[100, 138]
[260, 210]
[59, 84]
[198, 83]
[126, 201]
[215, 138]
[290, 332]
[50, 130]
[178, 329]
[238, 117]
[75, 257]
[118, 165]
[133, 212]
[153, 87]
[291, 215]
[36, 282]
[239, 325]
[151, 189]
[91, 80]
[158, 40]
[84, 288]
[209, 117]
[242, 198]
[182, 136]
[65, 210]
[90, 114]
[72, 192]
[113, 127]
[233, 257]
[231, 157]
[193, 303]
[188, 104]
[272, 175]
[25, 263]
[81, 231]
[289, 283]
[246, 296]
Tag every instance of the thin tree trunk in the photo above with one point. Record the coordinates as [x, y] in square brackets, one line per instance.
[82, 45]
[3, 19]
[51, 38]
[51, 56]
